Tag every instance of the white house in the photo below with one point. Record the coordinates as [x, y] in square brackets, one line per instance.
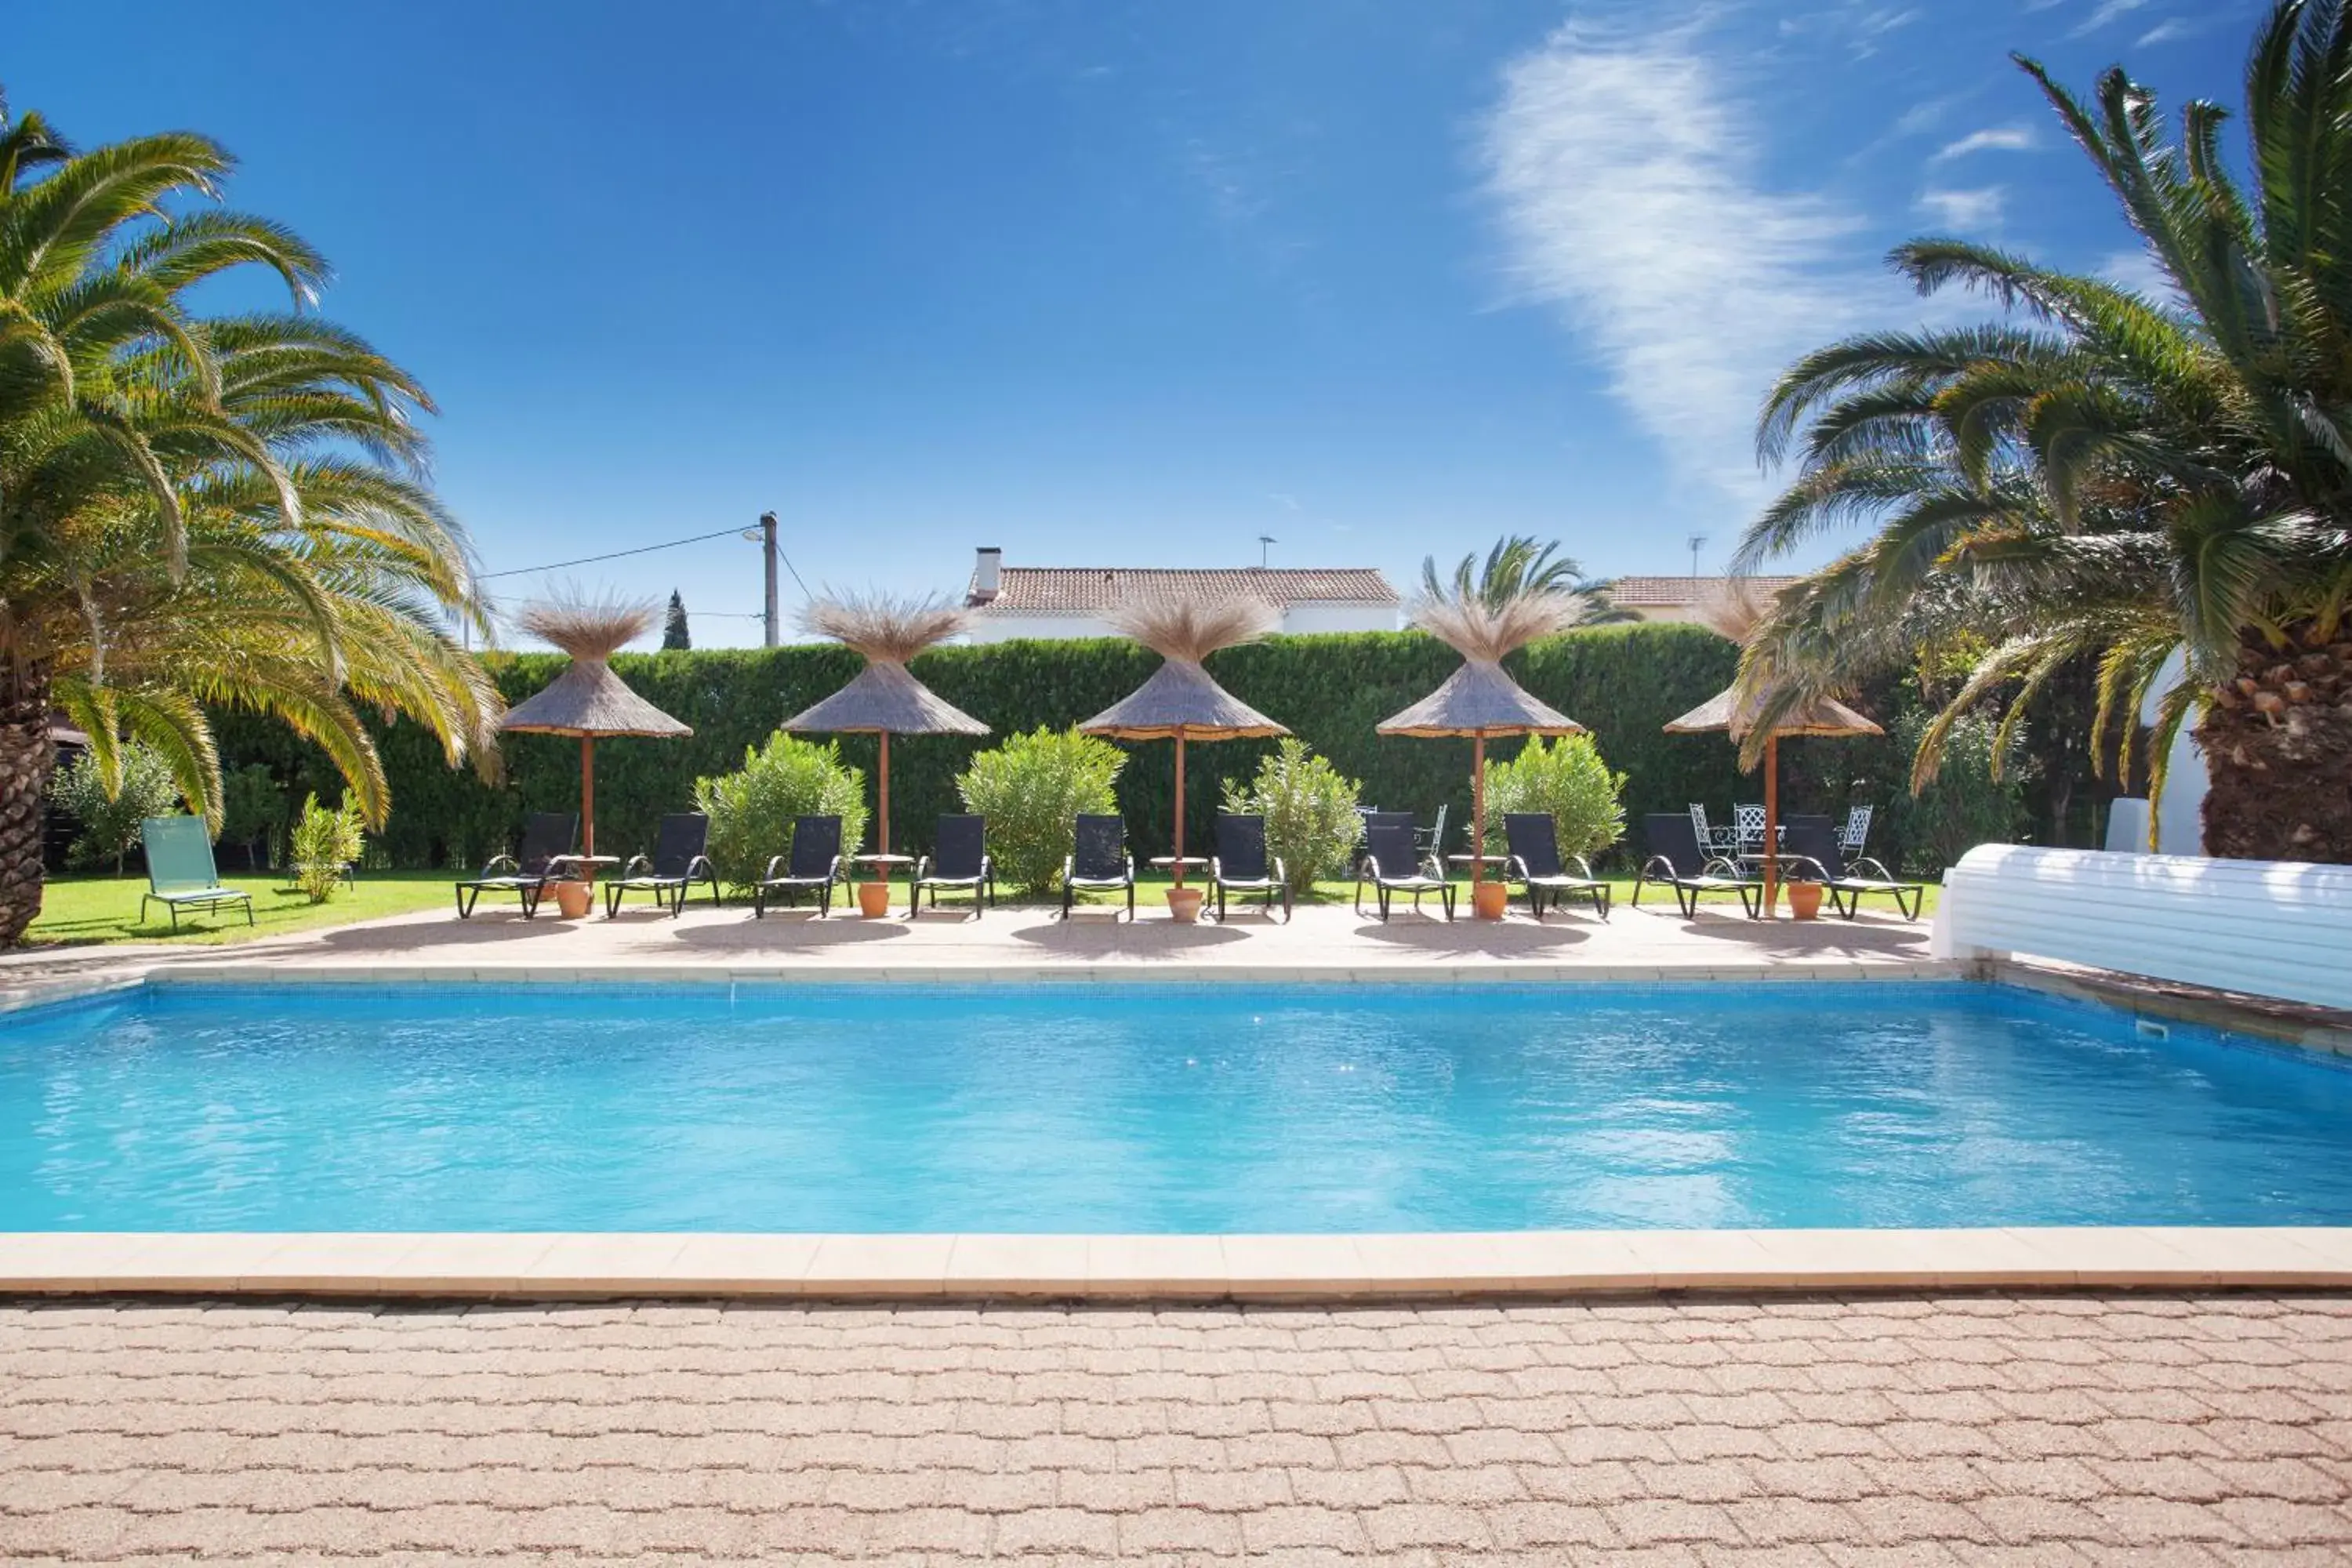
[1009, 602]
[1680, 598]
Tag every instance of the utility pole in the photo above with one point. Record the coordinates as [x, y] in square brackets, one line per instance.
[768, 549]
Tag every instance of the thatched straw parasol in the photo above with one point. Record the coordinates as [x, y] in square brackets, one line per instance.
[884, 700]
[588, 699]
[1733, 610]
[1479, 700]
[1181, 703]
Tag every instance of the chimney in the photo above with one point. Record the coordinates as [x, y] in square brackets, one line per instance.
[987, 575]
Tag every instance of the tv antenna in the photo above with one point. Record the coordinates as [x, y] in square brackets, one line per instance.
[1697, 541]
[1266, 542]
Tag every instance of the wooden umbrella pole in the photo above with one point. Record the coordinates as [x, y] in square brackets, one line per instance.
[1477, 816]
[588, 794]
[882, 834]
[1179, 808]
[1772, 824]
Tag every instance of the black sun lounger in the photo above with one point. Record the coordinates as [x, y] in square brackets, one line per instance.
[678, 861]
[813, 865]
[958, 859]
[1535, 859]
[1392, 865]
[1812, 852]
[1241, 864]
[1677, 860]
[1098, 863]
[545, 857]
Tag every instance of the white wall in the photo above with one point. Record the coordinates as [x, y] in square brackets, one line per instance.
[1310, 616]
[1303, 617]
[1004, 628]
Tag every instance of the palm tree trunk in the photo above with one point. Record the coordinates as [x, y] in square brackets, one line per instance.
[27, 756]
[2278, 752]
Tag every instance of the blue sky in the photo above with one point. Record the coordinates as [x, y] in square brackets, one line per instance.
[1116, 283]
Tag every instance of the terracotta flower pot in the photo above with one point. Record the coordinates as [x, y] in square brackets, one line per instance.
[1488, 900]
[873, 899]
[1184, 905]
[1805, 899]
[572, 899]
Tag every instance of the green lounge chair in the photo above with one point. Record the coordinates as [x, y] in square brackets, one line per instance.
[180, 870]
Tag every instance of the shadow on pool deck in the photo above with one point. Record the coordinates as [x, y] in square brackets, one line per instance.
[1467, 936]
[1148, 939]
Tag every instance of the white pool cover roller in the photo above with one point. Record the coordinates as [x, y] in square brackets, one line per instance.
[2267, 928]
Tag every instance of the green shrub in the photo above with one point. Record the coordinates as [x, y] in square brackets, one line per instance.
[253, 812]
[1309, 809]
[1624, 682]
[752, 809]
[109, 820]
[1565, 779]
[1965, 806]
[1033, 789]
[323, 842]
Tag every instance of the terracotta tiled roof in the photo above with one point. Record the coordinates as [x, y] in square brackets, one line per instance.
[1098, 590]
[1637, 592]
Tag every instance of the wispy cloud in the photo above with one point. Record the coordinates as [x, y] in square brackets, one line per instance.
[2107, 11]
[2137, 270]
[1923, 115]
[1994, 139]
[1977, 209]
[2172, 29]
[1625, 173]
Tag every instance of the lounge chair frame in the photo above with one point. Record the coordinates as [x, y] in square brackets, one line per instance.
[1815, 857]
[543, 828]
[791, 875]
[1100, 876]
[1271, 880]
[1715, 873]
[929, 871]
[1385, 846]
[165, 837]
[1533, 838]
[644, 874]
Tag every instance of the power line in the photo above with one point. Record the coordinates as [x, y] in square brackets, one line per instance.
[617, 554]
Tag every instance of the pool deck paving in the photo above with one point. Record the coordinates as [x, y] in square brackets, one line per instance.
[1708, 1433]
[1324, 941]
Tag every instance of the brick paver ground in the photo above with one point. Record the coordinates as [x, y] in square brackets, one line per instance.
[2057, 1430]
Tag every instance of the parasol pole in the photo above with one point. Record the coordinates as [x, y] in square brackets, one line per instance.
[588, 794]
[1179, 808]
[1772, 824]
[1477, 814]
[882, 835]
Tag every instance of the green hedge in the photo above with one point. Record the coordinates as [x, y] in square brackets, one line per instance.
[1623, 681]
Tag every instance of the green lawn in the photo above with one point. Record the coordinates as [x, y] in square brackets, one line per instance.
[106, 908]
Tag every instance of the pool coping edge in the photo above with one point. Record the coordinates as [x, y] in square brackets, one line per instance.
[903, 1268]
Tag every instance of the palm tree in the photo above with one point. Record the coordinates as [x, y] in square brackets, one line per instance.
[222, 511]
[2106, 476]
[1517, 567]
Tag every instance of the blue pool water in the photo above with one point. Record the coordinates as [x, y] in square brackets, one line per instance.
[1203, 1108]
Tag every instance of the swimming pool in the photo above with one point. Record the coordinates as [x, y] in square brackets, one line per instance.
[1194, 1108]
